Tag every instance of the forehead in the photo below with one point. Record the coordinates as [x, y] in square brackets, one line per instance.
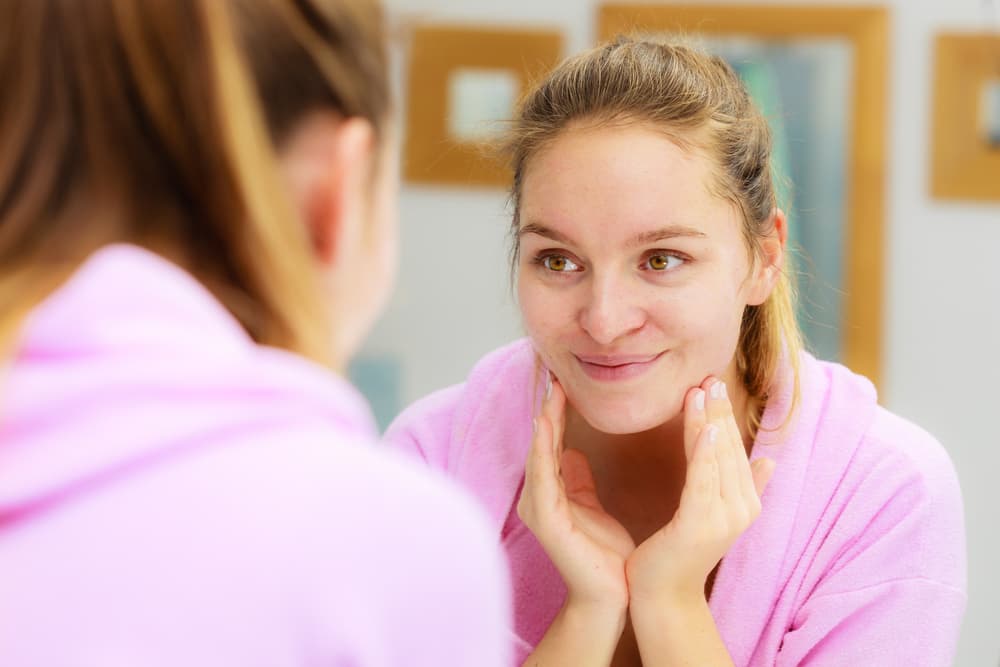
[617, 182]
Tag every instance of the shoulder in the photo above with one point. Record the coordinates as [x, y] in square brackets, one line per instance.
[403, 549]
[479, 432]
[344, 517]
[427, 427]
[304, 538]
[909, 472]
[886, 443]
[854, 434]
[914, 459]
[885, 488]
[361, 483]
[423, 429]
[315, 472]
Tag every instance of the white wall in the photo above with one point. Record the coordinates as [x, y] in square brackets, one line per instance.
[943, 279]
[942, 363]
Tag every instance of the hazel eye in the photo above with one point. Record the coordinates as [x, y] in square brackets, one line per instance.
[664, 262]
[559, 264]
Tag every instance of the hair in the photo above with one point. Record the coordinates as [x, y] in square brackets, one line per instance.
[699, 102]
[139, 121]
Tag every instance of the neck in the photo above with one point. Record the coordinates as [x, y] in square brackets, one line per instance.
[659, 447]
[639, 476]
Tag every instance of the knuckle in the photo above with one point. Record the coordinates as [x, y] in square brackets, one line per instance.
[740, 517]
[720, 531]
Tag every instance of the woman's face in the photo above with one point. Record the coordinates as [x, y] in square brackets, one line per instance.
[633, 277]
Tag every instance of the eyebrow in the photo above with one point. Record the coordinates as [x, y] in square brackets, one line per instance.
[646, 238]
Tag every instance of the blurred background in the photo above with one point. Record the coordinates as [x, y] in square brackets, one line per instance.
[931, 344]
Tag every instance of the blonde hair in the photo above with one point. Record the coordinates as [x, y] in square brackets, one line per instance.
[696, 99]
[140, 122]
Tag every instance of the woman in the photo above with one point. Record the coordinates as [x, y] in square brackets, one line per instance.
[184, 480]
[665, 381]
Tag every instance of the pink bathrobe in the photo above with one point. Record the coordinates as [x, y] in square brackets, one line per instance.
[172, 494]
[858, 557]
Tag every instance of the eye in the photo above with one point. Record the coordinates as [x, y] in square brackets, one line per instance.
[559, 264]
[663, 262]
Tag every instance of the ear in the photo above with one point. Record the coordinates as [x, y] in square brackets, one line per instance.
[769, 264]
[327, 160]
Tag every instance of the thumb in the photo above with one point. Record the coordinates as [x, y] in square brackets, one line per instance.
[579, 479]
[761, 469]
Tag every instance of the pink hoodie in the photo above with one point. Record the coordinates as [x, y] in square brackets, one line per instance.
[858, 557]
[174, 494]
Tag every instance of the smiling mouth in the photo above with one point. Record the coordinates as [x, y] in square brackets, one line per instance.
[617, 368]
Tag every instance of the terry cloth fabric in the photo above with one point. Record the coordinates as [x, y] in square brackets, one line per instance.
[858, 557]
[172, 493]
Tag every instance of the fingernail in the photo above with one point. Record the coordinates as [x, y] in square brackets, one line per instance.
[699, 400]
[713, 433]
[718, 389]
[722, 390]
[548, 385]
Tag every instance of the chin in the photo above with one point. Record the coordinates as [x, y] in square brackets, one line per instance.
[622, 418]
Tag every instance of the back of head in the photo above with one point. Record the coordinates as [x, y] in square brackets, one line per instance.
[698, 101]
[136, 121]
[308, 55]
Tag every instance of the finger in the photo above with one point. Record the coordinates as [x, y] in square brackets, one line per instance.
[701, 484]
[694, 419]
[742, 461]
[579, 478]
[762, 470]
[554, 410]
[730, 482]
[717, 407]
[720, 407]
[719, 412]
[555, 406]
[540, 480]
[733, 429]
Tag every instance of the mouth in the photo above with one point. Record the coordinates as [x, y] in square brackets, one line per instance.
[617, 368]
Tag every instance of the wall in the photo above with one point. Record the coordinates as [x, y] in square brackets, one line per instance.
[942, 364]
[943, 280]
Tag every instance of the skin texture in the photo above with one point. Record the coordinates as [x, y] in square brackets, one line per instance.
[633, 278]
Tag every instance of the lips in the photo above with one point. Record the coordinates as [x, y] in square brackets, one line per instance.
[614, 368]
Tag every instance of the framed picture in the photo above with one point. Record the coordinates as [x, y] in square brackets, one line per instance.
[965, 161]
[819, 75]
[463, 83]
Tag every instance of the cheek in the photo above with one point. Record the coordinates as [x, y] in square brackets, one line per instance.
[705, 325]
[544, 312]
[692, 312]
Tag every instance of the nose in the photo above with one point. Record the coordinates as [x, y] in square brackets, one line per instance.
[612, 309]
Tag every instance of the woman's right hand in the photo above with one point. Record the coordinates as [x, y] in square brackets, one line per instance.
[559, 504]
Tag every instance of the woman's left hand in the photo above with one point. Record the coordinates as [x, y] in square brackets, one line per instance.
[720, 499]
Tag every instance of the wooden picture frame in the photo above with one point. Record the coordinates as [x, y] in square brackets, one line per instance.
[432, 152]
[964, 163]
[866, 30]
